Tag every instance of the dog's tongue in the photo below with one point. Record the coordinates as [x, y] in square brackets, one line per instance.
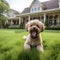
[34, 33]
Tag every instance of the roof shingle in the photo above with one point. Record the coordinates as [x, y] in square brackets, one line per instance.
[26, 10]
[49, 5]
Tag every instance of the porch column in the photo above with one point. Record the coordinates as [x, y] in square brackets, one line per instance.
[58, 20]
[29, 18]
[53, 20]
[11, 22]
[19, 20]
[44, 17]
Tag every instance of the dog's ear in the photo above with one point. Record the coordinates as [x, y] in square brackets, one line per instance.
[42, 27]
[26, 26]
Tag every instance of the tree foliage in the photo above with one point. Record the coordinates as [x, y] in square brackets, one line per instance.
[2, 21]
[4, 8]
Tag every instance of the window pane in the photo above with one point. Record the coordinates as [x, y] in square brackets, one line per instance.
[35, 9]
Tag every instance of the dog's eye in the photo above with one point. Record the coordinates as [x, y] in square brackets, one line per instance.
[37, 25]
[30, 25]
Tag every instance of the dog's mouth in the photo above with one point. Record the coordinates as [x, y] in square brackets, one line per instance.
[33, 33]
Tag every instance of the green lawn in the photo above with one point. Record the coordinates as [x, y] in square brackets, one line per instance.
[11, 45]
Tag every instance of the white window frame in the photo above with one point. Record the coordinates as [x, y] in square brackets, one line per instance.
[35, 9]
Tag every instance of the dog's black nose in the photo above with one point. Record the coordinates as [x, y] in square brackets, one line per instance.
[34, 28]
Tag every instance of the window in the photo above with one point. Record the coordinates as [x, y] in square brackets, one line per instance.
[50, 17]
[50, 22]
[35, 9]
[38, 8]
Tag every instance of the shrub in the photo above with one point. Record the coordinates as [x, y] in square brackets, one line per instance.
[53, 28]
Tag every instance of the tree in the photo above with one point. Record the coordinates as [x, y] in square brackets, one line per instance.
[4, 8]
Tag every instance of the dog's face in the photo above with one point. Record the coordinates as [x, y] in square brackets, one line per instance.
[34, 27]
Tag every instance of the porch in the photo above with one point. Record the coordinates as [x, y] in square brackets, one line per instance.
[13, 21]
[51, 16]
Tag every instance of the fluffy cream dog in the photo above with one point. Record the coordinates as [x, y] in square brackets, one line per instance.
[34, 27]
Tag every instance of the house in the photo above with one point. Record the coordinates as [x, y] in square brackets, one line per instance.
[48, 10]
[12, 17]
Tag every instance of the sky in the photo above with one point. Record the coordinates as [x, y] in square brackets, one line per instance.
[19, 5]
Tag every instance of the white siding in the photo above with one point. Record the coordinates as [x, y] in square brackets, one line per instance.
[35, 6]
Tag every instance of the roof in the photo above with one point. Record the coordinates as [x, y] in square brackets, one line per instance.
[35, 2]
[15, 12]
[26, 10]
[49, 5]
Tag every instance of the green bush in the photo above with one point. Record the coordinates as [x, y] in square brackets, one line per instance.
[53, 28]
[13, 27]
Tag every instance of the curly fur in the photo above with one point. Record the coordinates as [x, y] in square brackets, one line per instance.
[34, 27]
